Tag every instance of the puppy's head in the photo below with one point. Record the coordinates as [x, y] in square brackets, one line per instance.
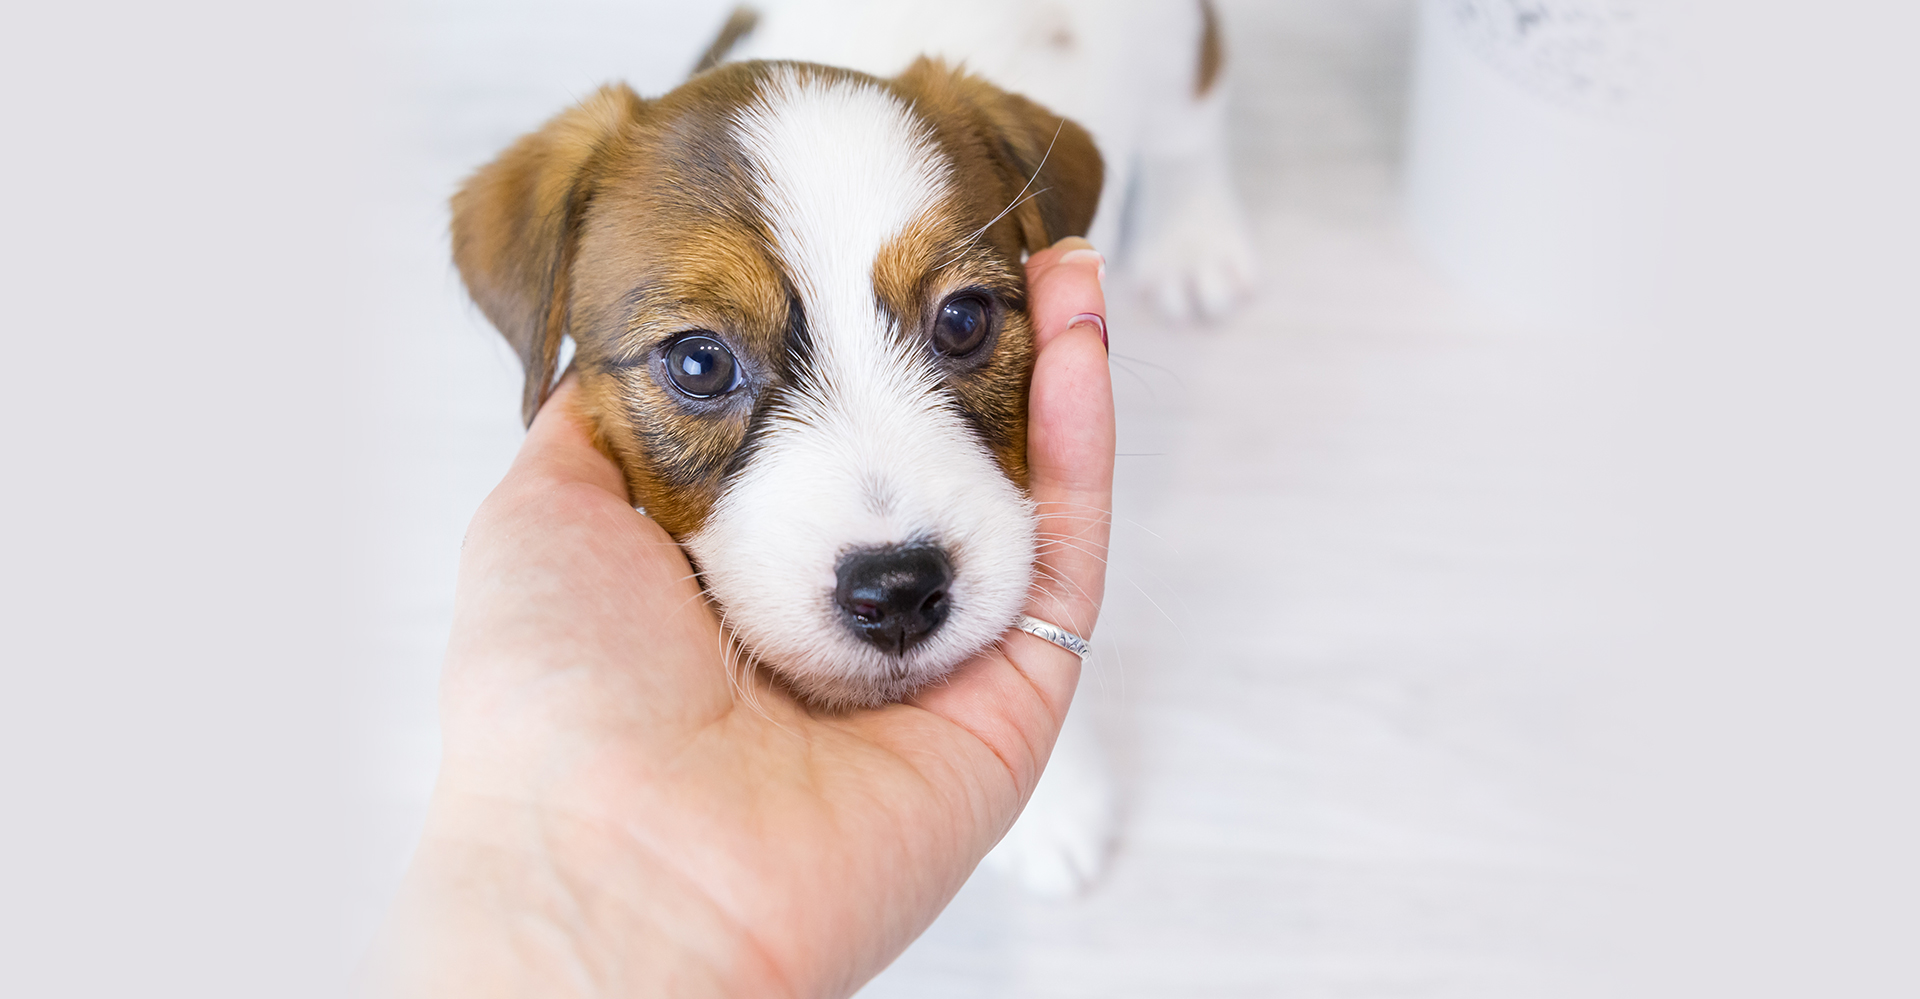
[799, 312]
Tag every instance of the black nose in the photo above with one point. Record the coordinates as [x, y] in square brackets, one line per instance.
[894, 596]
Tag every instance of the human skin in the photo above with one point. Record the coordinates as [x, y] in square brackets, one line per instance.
[619, 813]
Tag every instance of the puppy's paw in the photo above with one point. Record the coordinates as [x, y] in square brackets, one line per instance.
[1059, 847]
[1198, 261]
[1060, 844]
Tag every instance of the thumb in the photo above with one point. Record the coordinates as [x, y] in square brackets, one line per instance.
[559, 448]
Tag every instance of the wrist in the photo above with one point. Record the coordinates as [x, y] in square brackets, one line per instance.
[506, 898]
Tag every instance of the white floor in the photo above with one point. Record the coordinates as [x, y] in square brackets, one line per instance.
[1331, 663]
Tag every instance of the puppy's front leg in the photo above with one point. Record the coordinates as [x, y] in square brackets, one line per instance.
[1189, 245]
[1059, 846]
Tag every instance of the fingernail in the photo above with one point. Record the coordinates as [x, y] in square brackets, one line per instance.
[1089, 319]
[1089, 254]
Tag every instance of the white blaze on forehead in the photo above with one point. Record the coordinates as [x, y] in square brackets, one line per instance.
[868, 447]
[844, 169]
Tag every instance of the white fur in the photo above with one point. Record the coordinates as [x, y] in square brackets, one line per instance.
[868, 449]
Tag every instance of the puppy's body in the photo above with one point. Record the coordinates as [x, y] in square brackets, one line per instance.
[799, 309]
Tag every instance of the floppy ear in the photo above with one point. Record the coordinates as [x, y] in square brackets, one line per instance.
[1038, 150]
[516, 222]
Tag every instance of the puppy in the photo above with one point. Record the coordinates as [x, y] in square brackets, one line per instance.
[798, 304]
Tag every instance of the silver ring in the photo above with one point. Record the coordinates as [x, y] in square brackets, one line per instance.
[1050, 632]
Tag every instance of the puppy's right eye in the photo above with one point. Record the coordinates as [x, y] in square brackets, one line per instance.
[962, 326]
[702, 366]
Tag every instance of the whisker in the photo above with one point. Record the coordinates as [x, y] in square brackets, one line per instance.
[975, 238]
[701, 595]
[729, 659]
[1129, 580]
[741, 677]
[1059, 536]
[1084, 526]
[1152, 393]
[1069, 546]
[1097, 512]
[1083, 532]
[1066, 544]
[1063, 536]
[1134, 523]
[1129, 521]
[1143, 362]
[1048, 573]
[1067, 503]
[726, 663]
[1101, 516]
[1018, 199]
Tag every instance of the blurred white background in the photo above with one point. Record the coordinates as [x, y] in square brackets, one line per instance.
[1496, 602]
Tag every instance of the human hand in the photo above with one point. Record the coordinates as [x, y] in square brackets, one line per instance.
[619, 812]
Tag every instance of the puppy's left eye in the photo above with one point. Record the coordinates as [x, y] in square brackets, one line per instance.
[961, 326]
[702, 366]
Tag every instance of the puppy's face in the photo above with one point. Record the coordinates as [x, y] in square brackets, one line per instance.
[799, 310]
